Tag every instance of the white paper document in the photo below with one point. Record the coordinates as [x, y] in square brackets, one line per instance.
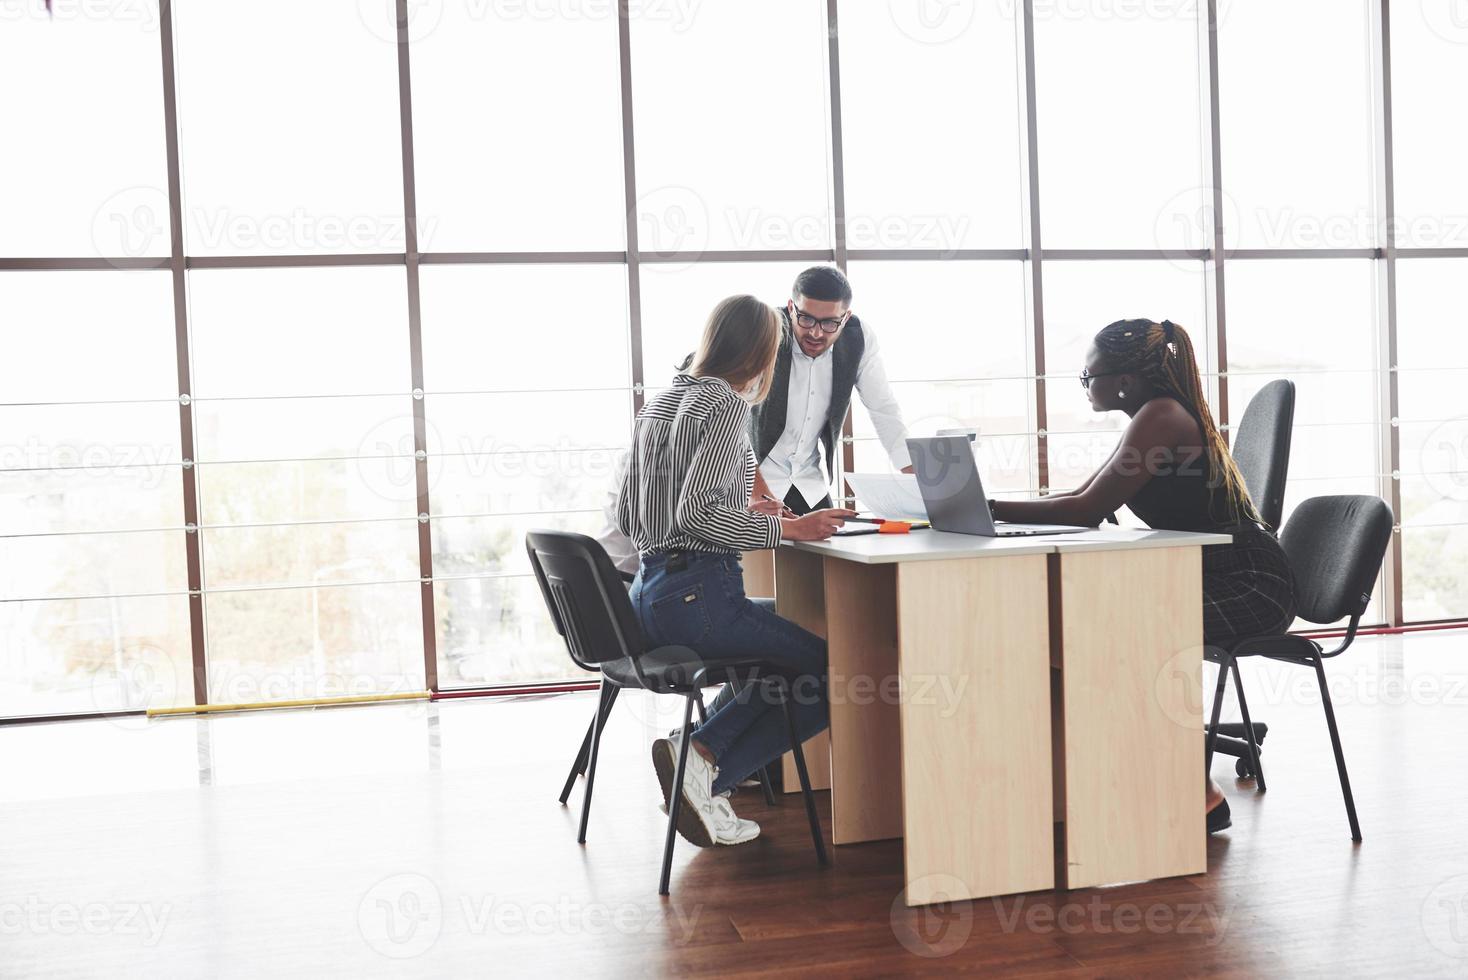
[894, 496]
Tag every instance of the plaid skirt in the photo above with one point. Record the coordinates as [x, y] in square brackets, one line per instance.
[1248, 588]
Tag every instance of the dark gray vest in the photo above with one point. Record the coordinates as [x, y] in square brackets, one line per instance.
[767, 421]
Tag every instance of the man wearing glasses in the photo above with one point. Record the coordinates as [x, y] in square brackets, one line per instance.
[825, 352]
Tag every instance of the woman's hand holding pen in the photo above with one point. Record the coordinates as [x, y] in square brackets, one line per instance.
[765, 504]
[818, 525]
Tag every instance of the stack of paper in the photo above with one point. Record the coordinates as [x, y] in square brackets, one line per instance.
[894, 496]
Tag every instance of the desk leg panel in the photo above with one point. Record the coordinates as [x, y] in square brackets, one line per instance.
[974, 653]
[866, 733]
[1131, 666]
[800, 596]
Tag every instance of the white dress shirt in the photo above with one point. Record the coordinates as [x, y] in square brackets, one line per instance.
[795, 459]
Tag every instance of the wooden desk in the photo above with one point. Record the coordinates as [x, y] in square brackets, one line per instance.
[1127, 623]
[1036, 700]
[939, 682]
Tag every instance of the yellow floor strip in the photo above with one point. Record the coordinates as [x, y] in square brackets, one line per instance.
[191, 709]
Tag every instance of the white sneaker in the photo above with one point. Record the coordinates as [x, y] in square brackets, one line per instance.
[729, 828]
[694, 816]
[703, 819]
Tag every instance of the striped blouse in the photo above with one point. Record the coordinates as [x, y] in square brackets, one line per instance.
[690, 474]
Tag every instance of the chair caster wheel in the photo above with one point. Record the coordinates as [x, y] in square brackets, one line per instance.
[1241, 766]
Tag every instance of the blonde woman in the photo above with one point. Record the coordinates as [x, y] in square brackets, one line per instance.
[685, 502]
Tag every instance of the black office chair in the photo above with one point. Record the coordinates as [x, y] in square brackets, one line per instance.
[604, 704]
[589, 606]
[1261, 448]
[1335, 547]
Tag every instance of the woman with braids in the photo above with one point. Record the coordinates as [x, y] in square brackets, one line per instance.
[1174, 472]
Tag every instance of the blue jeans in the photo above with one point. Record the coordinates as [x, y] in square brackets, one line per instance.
[700, 604]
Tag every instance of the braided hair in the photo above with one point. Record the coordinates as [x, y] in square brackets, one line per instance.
[1163, 354]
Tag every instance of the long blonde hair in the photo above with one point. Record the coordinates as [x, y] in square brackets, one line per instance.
[740, 342]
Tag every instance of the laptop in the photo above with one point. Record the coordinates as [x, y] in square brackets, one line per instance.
[948, 478]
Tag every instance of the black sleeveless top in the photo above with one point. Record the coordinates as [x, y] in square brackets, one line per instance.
[1180, 496]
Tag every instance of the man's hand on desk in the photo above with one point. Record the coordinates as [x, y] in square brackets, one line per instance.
[818, 525]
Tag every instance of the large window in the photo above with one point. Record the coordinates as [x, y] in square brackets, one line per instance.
[425, 278]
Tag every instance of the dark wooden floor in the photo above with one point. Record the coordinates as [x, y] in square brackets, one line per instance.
[408, 840]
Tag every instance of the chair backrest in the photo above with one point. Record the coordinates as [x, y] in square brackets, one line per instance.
[585, 597]
[1335, 547]
[1261, 447]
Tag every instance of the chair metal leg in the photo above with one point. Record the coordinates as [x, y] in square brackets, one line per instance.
[578, 768]
[1213, 724]
[764, 784]
[675, 797]
[601, 723]
[810, 802]
[1253, 746]
[1335, 743]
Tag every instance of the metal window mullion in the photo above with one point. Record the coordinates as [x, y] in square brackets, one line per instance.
[838, 197]
[1218, 335]
[1035, 293]
[629, 198]
[415, 352]
[1389, 446]
[184, 359]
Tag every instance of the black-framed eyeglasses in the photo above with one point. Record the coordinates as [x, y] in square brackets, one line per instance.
[809, 322]
[1087, 377]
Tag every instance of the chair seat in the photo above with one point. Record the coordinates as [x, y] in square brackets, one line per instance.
[1286, 646]
[671, 669]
